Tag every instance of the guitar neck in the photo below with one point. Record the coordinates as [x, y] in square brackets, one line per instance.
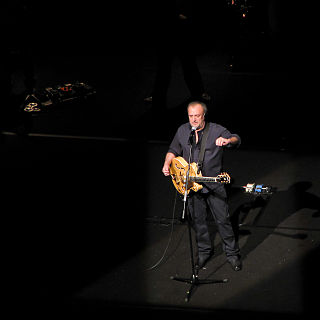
[204, 179]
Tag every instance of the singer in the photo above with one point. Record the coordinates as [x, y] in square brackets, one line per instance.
[213, 195]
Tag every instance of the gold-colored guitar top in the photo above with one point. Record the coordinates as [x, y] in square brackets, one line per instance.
[178, 172]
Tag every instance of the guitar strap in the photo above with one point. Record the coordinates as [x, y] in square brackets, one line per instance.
[203, 146]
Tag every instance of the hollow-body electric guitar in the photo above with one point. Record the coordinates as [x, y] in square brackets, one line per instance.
[178, 172]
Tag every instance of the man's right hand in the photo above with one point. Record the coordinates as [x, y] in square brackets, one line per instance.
[166, 170]
[167, 162]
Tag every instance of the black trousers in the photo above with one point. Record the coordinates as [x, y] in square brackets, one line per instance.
[191, 75]
[198, 203]
[178, 42]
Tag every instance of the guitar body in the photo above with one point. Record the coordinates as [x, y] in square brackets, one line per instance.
[178, 172]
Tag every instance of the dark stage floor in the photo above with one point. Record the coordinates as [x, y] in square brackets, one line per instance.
[84, 238]
[87, 211]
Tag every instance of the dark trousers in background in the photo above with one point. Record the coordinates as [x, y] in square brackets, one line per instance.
[191, 74]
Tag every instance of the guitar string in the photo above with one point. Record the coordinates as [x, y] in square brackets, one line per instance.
[170, 237]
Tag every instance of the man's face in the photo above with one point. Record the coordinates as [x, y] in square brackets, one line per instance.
[196, 116]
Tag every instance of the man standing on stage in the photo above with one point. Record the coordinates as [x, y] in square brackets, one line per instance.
[213, 195]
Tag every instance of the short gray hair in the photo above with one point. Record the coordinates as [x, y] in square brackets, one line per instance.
[203, 105]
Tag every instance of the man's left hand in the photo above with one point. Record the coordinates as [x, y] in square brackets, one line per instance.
[220, 142]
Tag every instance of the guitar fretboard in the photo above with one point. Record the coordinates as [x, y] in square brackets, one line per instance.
[203, 179]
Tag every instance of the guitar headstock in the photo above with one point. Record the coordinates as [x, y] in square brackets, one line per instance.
[223, 178]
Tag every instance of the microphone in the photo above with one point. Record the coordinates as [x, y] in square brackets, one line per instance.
[193, 130]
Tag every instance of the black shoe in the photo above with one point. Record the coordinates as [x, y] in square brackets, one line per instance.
[235, 263]
[206, 96]
[202, 260]
[148, 99]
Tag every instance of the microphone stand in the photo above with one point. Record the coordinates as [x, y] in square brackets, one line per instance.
[185, 197]
[194, 279]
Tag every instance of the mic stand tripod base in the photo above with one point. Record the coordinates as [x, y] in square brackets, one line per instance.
[195, 281]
